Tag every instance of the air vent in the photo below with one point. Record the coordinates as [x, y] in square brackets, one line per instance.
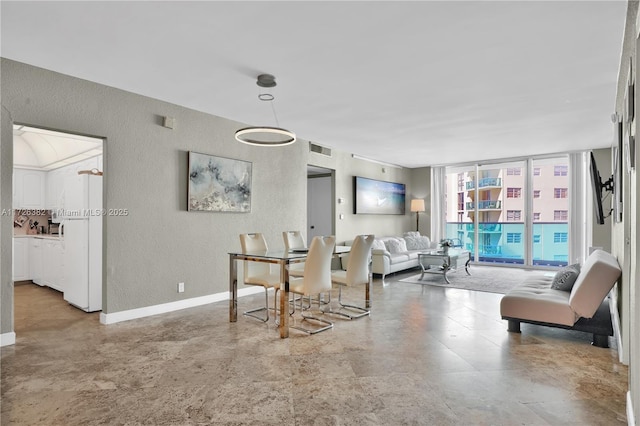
[318, 149]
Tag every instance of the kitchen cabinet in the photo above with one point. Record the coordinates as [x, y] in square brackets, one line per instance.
[20, 259]
[54, 189]
[55, 179]
[29, 188]
[52, 264]
[35, 260]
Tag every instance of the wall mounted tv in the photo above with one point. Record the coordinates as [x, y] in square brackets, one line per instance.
[597, 185]
[377, 196]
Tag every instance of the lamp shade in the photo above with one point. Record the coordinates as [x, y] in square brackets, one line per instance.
[417, 205]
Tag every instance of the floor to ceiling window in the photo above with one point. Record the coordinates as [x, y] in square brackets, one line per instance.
[515, 212]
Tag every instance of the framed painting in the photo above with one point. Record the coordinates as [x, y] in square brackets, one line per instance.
[373, 196]
[218, 184]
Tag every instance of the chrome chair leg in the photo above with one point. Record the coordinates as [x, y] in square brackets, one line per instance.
[361, 312]
[251, 312]
[310, 318]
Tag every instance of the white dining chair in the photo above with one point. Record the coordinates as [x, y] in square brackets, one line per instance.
[259, 273]
[358, 272]
[294, 240]
[316, 279]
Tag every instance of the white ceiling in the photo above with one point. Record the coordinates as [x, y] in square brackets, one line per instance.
[43, 149]
[409, 83]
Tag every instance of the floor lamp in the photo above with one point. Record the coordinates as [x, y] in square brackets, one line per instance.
[417, 205]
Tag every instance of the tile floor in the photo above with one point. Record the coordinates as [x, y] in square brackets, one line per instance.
[426, 356]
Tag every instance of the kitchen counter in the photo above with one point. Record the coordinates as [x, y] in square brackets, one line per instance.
[43, 236]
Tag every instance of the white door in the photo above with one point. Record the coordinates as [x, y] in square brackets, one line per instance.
[319, 207]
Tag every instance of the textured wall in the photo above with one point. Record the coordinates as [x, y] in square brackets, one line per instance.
[6, 223]
[159, 243]
[624, 238]
[346, 167]
[421, 188]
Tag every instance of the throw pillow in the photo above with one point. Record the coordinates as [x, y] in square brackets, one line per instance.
[395, 245]
[566, 277]
[378, 245]
[411, 234]
[417, 243]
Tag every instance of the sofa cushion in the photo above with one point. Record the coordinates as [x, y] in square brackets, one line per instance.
[395, 245]
[597, 277]
[378, 245]
[566, 277]
[398, 258]
[535, 300]
[413, 254]
[411, 234]
[417, 243]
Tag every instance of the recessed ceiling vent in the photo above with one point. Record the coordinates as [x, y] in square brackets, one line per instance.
[318, 149]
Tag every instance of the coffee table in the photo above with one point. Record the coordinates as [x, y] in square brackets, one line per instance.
[441, 262]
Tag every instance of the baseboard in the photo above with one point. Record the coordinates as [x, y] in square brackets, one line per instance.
[164, 308]
[631, 421]
[7, 339]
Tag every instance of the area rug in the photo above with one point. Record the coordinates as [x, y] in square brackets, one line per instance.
[483, 278]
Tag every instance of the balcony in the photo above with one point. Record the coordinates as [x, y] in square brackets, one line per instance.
[489, 182]
[501, 242]
[486, 205]
[484, 227]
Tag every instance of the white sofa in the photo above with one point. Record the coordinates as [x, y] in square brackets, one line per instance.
[583, 308]
[393, 254]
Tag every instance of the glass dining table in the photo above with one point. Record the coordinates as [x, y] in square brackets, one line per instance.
[283, 258]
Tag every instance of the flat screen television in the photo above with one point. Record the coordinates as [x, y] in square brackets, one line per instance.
[597, 186]
[373, 196]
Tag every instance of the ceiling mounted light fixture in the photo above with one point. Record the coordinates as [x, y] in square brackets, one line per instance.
[265, 135]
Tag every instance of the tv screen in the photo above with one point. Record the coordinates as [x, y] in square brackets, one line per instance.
[378, 197]
[596, 184]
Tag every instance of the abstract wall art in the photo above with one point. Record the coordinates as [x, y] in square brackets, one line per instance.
[218, 184]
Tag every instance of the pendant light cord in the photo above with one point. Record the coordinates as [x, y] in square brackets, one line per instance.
[275, 116]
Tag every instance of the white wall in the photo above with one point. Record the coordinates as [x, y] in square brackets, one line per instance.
[625, 241]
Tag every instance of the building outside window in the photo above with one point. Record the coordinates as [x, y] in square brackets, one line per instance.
[505, 198]
[514, 192]
[560, 170]
[560, 237]
[514, 171]
[560, 193]
[514, 238]
[514, 215]
[560, 215]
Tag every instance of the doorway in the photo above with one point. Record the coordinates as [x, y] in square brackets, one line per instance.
[57, 199]
[320, 206]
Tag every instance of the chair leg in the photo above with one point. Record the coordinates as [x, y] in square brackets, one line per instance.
[327, 326]
[361, 312]
[251, 312]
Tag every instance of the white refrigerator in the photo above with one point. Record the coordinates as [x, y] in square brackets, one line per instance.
[81, 234]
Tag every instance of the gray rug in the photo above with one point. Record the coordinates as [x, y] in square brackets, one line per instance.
[483, 278]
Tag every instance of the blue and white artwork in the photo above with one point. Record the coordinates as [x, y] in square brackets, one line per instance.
[378, 197]
[218, 184]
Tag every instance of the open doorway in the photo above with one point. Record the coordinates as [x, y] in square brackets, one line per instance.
[320, 206]
[58, 216]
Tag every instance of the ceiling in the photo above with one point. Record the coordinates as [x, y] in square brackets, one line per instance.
[42, 149]
[408, 83]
